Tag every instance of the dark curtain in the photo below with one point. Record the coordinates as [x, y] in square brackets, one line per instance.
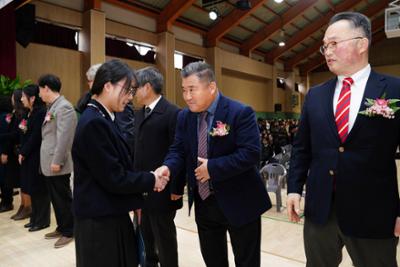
[54, 35]
[117, 48]
[8, 62]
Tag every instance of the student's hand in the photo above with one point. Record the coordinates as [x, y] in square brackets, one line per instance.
[175, 197]
[20, 159]
[397, 227]
[4, 159]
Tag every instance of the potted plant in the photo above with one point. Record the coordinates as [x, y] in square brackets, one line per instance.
[7, 85]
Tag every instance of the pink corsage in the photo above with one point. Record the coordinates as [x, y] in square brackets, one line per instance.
[49, 116]
[381, 107]
[9, 118]
[23, 125]
[222, 129]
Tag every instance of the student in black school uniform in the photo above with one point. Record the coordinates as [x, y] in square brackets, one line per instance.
[105, 186]
[10, 143]
[29, 158]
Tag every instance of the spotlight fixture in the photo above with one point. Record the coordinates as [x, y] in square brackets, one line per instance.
[243, 4]
[213, 14]
[278, 1]
[282, 41]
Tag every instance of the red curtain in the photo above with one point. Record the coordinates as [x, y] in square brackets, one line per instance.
[8, 59]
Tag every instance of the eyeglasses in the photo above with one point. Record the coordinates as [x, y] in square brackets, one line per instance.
[132, 90]
[332, 45]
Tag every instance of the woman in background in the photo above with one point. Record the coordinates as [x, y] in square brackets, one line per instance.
[105, 186]
[9, 154]
[29, 158]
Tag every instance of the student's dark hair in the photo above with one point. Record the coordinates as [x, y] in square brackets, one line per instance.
[33, 90]
[113, 71]
[52, 81]
[152, 76]
[357, 21]
[82, 102]
[19, 109]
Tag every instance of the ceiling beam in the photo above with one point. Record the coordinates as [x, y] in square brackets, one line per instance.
[377, 25]
[230, 21]
[133, 8]
[171, 12]
[276, 25]
[91, 4]
[317, 24]
[319, 60]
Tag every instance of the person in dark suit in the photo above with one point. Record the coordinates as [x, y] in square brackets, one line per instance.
[105, 186]
[9, 156]
[347, 159]
[218, 140]
[155, 131]
[29, 158]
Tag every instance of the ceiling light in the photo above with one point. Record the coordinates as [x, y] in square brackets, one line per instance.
[282, 43]
[282, 38]
[243, 4]
[278, 1]
[213, 14]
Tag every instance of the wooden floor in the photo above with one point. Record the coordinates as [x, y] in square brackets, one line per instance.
[282, 243]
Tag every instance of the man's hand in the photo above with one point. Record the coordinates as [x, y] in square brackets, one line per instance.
[175, 197]
[55, 168]
[397, 227]
[293, 207]
[4, 159]
[20, 159]
[201, 172]
[161, 178]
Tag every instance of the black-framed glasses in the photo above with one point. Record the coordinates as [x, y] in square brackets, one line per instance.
[332, 45]
[132, 90]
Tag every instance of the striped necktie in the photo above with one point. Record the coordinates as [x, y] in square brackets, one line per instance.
[204, 188]
[343, 109]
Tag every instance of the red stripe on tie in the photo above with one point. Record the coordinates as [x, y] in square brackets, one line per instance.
[343, 109]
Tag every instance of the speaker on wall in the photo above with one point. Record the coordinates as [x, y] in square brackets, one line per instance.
[25, 24]
[278, 107]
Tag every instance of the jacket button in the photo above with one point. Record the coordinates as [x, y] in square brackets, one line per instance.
[341, 149]
[331, 172]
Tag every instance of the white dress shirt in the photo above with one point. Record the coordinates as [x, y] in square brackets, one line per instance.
[153, 104]
[360, 79]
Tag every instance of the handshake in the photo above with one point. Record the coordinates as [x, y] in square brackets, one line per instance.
[161, 175]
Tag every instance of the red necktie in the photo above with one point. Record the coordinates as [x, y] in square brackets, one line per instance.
[204, 188]
[343, 109]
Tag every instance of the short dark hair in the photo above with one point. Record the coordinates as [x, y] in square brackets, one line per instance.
[201, 69]
[357, 21]
[52, 81]
[113, 71]
[33, 90]
[152, 76]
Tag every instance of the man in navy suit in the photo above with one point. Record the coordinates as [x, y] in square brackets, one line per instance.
[347, 159]
[218, 140]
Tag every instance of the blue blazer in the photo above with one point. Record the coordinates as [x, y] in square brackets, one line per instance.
[364, 169]
[104, 181]
[232, 164]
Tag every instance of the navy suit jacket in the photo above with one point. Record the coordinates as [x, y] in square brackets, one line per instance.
[232, 161]
[104, 181]
[363, 167]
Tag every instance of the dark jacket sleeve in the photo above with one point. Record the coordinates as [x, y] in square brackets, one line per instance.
[301, 153]
[10, 138]
[247, 153]
[35, 139]
[105, 164]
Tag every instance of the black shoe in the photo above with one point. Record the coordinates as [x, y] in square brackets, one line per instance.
[28, 225]
[37, 228]
[4, 208]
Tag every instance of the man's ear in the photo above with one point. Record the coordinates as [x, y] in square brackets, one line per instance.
[213, 87]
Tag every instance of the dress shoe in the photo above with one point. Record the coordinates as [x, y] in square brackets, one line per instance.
[63, 241]
[37, 228]
[25, 213]
[4, 208]
[18, 212]
[28, 225]
[52, 235]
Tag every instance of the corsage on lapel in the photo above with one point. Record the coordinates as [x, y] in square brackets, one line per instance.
[381, 107]
[9, 118]
[49, 116]
[23, 125]
[222, 129]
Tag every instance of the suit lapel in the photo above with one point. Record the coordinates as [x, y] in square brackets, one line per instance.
[220, 115]
[328, 106]
[193, 140]
[374, 89]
